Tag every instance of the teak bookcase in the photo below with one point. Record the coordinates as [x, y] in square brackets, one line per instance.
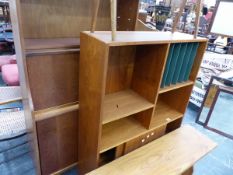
[46, 36]
[123, 103]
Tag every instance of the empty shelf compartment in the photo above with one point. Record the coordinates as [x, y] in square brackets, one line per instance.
[122, 104]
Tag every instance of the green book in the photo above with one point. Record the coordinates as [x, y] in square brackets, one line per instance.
[185, 62]
[167, 65]
[179, 63]
[191, 60]
[172, 66]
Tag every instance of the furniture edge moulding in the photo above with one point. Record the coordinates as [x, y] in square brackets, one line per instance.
[91, 96]
[15, 13]
[55, 111]
[30, 53]
[51, 46]
[124, 38]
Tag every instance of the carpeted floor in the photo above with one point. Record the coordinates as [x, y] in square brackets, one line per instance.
[220, 160]
[15, 157]
[1, 80]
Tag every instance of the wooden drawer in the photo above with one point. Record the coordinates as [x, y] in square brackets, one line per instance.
[156, 133]
[144, 139]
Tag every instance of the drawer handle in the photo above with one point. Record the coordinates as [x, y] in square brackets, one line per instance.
[152, 133]
[143, 140]
[148, 136]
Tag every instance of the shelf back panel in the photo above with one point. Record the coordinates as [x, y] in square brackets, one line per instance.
[120, 68]
[61, 18]
[177, 99]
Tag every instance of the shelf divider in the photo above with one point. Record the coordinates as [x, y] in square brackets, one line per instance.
[175, 86]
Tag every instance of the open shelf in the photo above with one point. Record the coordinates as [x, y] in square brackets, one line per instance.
[164, 114]
[122, 104]
[120, 131]
[175, 86]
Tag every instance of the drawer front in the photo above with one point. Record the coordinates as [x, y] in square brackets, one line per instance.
[158, 132]
[134, 144]
[144, 139]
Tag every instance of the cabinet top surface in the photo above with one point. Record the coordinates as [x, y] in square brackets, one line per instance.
[140, 37]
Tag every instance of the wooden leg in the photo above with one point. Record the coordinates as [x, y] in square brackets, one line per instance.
[188, 172]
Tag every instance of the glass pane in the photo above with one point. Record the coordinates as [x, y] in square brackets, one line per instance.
[204, 114]
[222, 115]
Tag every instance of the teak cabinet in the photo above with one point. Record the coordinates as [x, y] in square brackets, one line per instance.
[123, 102]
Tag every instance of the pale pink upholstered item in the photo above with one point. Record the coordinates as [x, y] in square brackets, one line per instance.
[7, 59]
[10, 74]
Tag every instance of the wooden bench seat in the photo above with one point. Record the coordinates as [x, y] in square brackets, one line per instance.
[172, 154]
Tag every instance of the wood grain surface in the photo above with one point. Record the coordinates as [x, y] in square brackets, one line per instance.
[171, 154]
[53, 79]
[62, 18]
[58, 142]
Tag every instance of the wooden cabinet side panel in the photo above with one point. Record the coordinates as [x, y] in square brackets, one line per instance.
[93, 63]
[58, 142]
[53, 79]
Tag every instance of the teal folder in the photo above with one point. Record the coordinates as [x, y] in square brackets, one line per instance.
[185, 62]
[179, 63]
[167, 65]
[172, 67]
[191, 60]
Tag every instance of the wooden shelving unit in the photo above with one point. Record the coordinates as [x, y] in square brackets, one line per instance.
[122, 103]
[47, 43]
